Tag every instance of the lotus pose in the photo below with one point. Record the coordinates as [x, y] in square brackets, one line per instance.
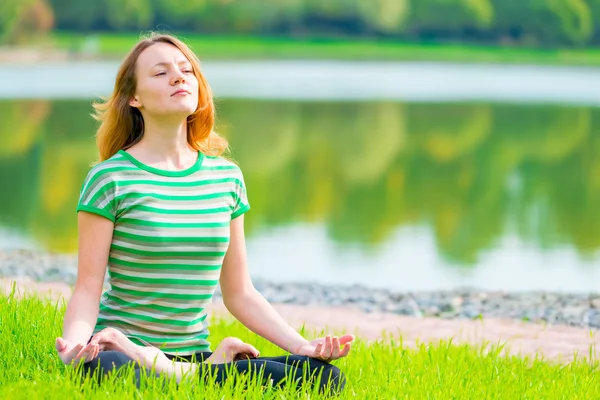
[163, 211]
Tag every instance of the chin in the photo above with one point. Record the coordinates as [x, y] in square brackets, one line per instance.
[182, 112]
[186, 109]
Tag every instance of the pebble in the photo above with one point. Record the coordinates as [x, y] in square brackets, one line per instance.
[574, 309]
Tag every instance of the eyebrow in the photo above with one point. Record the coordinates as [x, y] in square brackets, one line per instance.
[164, 64]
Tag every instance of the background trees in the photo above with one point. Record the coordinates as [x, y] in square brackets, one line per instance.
[534, 22]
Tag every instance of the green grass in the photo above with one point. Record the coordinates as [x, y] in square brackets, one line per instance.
[257, 48]
[30, 368]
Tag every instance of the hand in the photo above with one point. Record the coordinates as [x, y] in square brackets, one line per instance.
[113, 339]
[232, 349]
[328, 348]
[74, 352]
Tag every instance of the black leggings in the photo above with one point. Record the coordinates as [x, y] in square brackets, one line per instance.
[271, 368]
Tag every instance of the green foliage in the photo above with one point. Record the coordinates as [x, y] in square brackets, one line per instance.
[11, 12]
[540, 22]
[575, 17]
[387, 16]
[128, 14]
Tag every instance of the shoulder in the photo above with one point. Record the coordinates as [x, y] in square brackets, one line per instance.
[220, 163]
[108, 169]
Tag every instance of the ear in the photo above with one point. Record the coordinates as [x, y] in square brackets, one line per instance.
[135, 102]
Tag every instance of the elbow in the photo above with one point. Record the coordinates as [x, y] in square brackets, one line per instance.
[233, 299]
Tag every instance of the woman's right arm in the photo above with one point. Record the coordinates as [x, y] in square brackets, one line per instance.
[95, 236]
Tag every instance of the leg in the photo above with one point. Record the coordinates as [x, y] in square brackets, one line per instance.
[111, 361]
[296, 368]
[331, 376]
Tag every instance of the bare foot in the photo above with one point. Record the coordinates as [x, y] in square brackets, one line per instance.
[230, 349]
[113, 339]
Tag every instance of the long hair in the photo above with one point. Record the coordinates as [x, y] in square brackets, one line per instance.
[123, 125]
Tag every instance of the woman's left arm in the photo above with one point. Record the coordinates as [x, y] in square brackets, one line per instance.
[245, 303]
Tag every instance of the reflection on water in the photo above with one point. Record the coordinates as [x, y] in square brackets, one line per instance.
[466, 176]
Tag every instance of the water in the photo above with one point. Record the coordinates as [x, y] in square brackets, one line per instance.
[330, 80]
[404, 195]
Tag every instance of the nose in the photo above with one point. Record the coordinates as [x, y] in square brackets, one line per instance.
[178, 78]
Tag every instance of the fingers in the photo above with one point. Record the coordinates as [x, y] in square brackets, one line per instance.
[244, 351]
[346, 349]
[61, 344]
[328, 347]
[100, 337]
[331, 347]
[335, 348]
[82, 351]
[93, 353]
[75, 351]
[87, 353]
[249, 349]
[324, 349]
[319, 351]
[346, 339]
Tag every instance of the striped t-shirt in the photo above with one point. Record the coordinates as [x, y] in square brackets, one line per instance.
[170, 237]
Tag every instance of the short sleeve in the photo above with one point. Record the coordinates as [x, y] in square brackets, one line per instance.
[241, 204]
[98, 194]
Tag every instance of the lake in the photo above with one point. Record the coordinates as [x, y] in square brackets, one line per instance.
[402, 193]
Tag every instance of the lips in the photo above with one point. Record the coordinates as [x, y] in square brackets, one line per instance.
[180, 91]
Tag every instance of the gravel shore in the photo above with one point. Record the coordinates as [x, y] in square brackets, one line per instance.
[580, 310]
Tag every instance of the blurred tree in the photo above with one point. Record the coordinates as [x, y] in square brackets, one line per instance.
[21, 131]
[375, 137]
[23, 19]
[129, 14]
[264, 15]
[80, 15]
[552, 142]
[575, 17]
[21, 125]
[457, 129]
[442, 18]
[470, 173]
[65, 157]
[451, 182]
[169, 14]
[385, 15]
[482, 10]
[594, 6]
[333, 16]
[545, 22]
[19, 174]
[11, 12]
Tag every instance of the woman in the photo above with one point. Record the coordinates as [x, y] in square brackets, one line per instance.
[165, 211]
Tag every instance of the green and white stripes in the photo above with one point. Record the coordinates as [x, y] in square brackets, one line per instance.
[170, 237]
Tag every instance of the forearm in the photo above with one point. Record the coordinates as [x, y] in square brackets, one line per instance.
[80, 317]
[255, 312]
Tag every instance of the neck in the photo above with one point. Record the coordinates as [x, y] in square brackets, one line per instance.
[165, 144]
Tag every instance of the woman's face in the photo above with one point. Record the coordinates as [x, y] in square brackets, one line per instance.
[166, 84]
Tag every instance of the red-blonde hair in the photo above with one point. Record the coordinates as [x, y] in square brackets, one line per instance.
[123, 125]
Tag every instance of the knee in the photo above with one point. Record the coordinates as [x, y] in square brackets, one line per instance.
[332, 380]
[106, 362]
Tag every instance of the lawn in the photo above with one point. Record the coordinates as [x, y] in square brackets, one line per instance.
[30, 368]
[256, 48]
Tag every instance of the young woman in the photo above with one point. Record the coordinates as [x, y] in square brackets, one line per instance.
[164, 210]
